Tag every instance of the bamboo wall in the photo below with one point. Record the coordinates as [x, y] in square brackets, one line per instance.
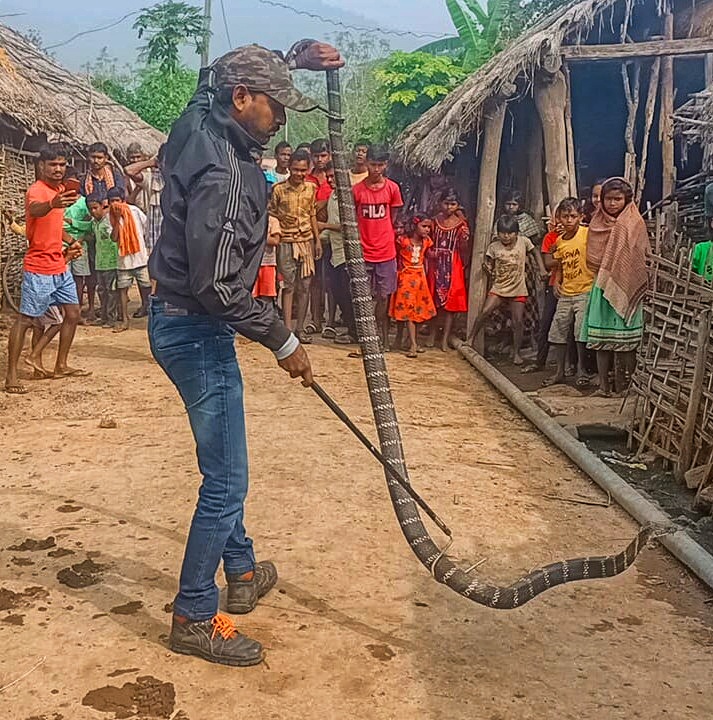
[17, 173]
[673, 381]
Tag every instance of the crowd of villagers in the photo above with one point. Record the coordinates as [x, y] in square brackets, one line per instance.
[588, 267]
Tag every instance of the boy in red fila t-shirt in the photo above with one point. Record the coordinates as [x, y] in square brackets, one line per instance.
[376, 198]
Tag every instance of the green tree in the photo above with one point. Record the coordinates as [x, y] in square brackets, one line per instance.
[413, 82]
[485, 29]
[167, 27]
[160, 97]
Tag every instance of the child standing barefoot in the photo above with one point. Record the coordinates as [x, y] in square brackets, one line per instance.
[412, 300]
[505, 263]
[446, 273]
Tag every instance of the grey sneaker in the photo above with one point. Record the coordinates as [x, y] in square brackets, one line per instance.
[244, 594]
[216, 640]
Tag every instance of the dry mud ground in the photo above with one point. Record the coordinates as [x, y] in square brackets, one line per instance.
[94, 522]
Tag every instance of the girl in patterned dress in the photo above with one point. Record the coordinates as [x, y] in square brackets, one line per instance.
[412, 302]
[446, 267]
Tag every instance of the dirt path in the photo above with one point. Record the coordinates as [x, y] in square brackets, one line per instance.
[94, 522]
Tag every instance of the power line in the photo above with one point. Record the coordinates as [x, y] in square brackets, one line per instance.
[225, 23]
[93, 30]
[346, 26]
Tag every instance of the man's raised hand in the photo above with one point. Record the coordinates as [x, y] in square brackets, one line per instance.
[319, 56]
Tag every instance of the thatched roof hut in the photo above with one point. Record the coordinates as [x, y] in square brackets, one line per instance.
[40, 97]
[440, 133]
[588, 92]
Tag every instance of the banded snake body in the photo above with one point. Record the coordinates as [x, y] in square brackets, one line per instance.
[443, 569]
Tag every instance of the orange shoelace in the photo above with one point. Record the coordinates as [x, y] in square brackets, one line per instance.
[223, 626]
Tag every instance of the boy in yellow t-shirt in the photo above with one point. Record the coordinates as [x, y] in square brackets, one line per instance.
[574, 281]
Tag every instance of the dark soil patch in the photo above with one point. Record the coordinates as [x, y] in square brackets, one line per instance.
[10, 600]
[147, 698]
[30, 545]
[381, 652]
[14, 619]
[81, 574]
[69, 508]
[21, 561]
[129, 608]
[117, 673]
[60, 553]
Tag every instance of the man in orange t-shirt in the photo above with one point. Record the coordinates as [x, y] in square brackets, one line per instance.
[46, 281]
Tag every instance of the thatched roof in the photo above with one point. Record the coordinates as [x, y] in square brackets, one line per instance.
[40, 96]
[429, 142]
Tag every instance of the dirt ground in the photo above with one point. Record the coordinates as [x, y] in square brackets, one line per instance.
[94, 523]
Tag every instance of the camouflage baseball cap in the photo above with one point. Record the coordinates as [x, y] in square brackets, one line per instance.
[261, 70]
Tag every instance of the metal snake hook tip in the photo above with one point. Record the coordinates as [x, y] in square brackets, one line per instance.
[439, 557]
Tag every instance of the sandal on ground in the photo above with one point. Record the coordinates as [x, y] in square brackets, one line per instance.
[304, 338]
[531, 368]
[570, 372]
[16, 390]
[582, 381]
[344, 340]
[310, 328]
[550, 381]
[411, 354]
[329, 333]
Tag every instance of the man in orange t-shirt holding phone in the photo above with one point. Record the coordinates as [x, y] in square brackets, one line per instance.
[46, 280]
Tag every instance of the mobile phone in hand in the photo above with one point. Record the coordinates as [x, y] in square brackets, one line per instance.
[72, 185]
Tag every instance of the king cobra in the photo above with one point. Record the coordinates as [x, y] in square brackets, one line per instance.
[420, 541]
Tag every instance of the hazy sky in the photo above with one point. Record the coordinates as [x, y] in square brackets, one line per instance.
[248, 21]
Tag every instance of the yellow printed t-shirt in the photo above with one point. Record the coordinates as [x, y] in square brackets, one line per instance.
[577, 278]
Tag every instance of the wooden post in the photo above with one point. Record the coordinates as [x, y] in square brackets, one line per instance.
[699, 376]
[648, 121]
[571, 156]
[550, 99]
[535, 189]
[493, 121]
[666, 120]
[631, 92]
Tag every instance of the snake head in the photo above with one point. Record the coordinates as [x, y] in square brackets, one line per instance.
[654, 531]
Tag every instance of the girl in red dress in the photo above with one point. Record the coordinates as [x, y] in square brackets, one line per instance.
[446, 267]
[412, 300]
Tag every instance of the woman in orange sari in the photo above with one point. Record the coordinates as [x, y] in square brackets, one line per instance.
[412, 302]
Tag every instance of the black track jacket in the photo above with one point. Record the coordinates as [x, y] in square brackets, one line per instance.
[214, 227]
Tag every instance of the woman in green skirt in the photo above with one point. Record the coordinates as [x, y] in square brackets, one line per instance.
[617, 247]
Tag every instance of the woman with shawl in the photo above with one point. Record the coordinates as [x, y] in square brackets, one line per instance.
[617, 247]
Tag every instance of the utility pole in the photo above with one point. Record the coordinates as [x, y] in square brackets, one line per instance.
[205, 51]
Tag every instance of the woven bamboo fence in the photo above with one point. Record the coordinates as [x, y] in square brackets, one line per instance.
[673, 381]
[17, 173]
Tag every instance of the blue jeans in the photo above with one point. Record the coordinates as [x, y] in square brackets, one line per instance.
[197, 352]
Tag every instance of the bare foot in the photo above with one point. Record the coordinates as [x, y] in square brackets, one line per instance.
[121, 327]
[517, 360]
[601, 393]
[554, 380]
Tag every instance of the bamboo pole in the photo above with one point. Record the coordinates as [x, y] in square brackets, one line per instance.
[493, 121]
[550, 99]
[631, 92]
[571, 157]
[666, 119]
[650, 108]
[699, 376]
[535, 167]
